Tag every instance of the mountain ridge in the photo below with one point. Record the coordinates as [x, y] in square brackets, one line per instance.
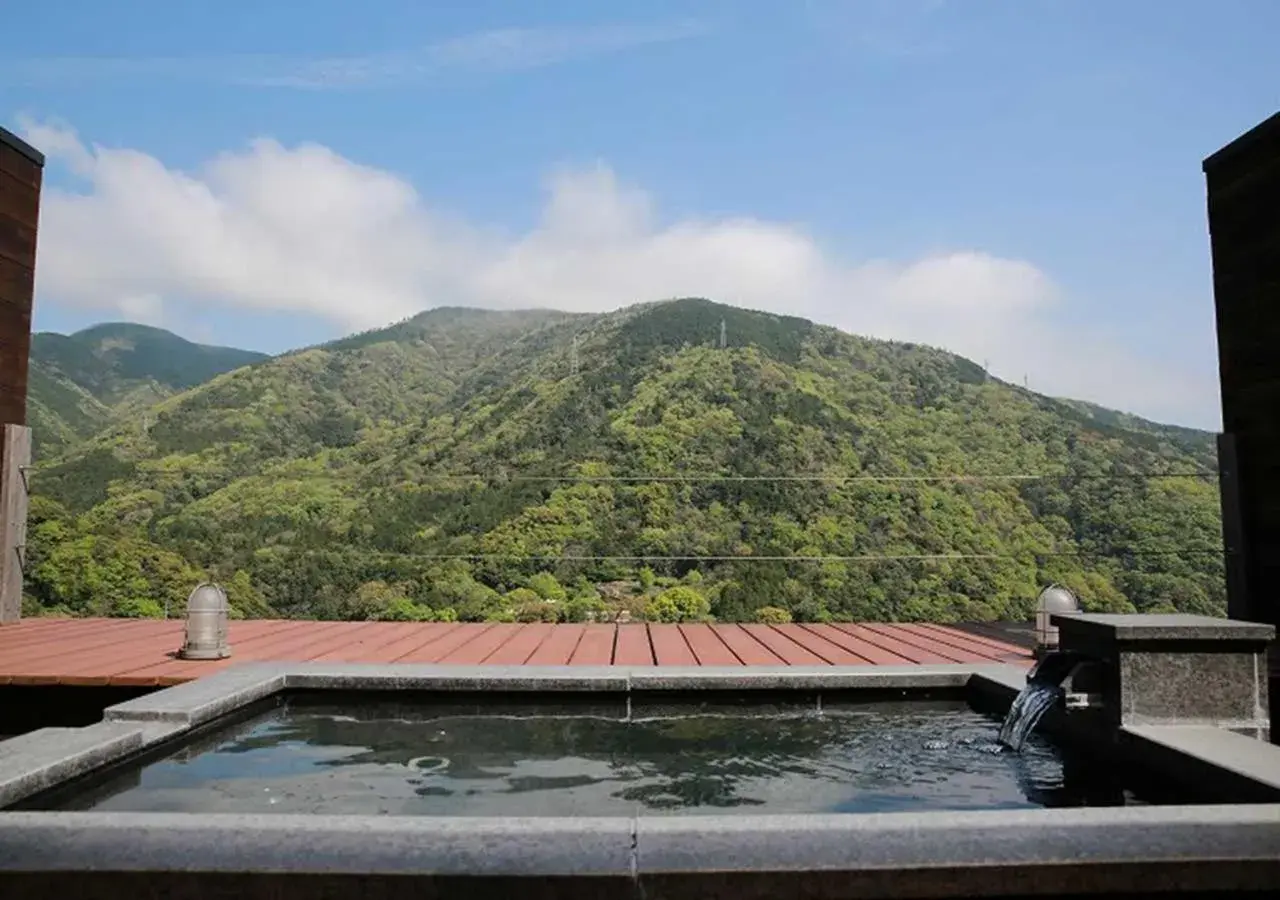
[79, 382]
[490, 465]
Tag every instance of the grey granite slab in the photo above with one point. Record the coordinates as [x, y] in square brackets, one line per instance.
[204, 699]
[1203, 746]
[798, 677]
[399, 676]
[1113, 627]
[959, 853]
[34, 762]
[980, 837]
[1170, 687]
[832, 855]
[334, 844]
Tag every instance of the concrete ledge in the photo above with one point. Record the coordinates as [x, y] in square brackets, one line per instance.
[203, 700]
[364, 677]
[1222, 763]
[763, 678]
[879, 855]
[960, 854]
[42, 759]
[126, 842]
[1106, 628]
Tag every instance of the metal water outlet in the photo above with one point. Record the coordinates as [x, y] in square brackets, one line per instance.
[1053, 600]
[207, 612]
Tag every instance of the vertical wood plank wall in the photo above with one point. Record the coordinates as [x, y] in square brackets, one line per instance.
[1243, 185]
[21, 173]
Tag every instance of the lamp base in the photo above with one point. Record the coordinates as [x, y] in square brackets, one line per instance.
[204, 653]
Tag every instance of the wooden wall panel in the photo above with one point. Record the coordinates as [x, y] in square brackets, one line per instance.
[21, 171]
[1243, 188]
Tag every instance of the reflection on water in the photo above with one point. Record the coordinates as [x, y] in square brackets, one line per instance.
[407, 760]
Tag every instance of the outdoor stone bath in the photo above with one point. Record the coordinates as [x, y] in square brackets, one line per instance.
[283, 780]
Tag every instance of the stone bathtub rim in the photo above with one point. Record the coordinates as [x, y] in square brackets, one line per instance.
[1108, 846]
[1158, 836]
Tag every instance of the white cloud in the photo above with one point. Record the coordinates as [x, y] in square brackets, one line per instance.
[496, 51]
[276, 229]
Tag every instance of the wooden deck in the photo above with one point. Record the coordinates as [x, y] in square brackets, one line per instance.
[141, 653]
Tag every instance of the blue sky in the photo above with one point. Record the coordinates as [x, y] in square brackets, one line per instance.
[1016, 180]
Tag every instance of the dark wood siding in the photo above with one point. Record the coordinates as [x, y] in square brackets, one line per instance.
[1243, 181]
[21, 170]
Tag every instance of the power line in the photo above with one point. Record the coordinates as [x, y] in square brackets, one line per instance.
[338, 476]
[817, 478]
[861, 557]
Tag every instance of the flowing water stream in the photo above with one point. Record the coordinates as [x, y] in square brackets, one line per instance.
[1028, 708]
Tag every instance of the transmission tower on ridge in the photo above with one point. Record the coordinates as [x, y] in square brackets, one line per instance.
[573, 357]
[722, 334]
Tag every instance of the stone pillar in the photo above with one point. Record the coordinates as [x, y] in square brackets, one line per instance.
[15, 457]
[1176, 669]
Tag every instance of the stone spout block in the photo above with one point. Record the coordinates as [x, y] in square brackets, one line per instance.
[1175, 669]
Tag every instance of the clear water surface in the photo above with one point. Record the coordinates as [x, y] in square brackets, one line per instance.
[451, 760]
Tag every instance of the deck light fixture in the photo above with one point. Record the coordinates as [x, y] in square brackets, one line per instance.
[1055, 599]
[207, 611]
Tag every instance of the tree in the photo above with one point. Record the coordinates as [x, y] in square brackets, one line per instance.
[772, 615]
[584, 608]
[545, 585]
[678, 604]
[646, 578]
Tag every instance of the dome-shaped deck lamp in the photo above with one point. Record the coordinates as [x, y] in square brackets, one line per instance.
[207, 611]
[1053, 600]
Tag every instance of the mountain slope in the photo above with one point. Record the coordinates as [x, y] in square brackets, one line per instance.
[78, 382]
[462, 464]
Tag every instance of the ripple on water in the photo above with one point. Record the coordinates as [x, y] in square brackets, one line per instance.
[429, 765]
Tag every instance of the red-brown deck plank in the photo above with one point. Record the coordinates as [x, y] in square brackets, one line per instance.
[558, 647]
[878, 635]
[372, 643]
[277, 641]
[516, 652]
[669, 646]
[438, 650]
[142, 652]
[426, 634]
[141, 668]
[819, 645]
[87, 639]
[960, 641]
[870, 653]
[56, 631]
[477, 651]
[707, 646]
[1001, 647]
[303, 649]
[243, 637]
[928, 644]
[633, 647]
[783, 647]
[596, 646]
[96, 665]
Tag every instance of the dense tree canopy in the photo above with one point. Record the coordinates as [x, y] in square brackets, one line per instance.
[458, 466]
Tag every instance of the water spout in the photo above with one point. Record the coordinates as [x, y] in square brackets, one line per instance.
[1054, 667]
[1042, 691]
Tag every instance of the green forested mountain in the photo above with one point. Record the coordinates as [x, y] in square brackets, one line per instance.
[79, 382]
[478, 464]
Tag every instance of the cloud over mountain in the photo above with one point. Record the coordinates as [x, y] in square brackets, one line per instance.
[302, 229]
